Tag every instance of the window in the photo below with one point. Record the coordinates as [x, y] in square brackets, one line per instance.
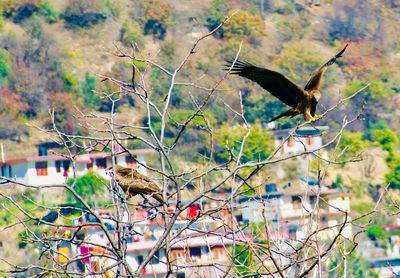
[217, 252]
[195, 252]
[313, 200]
[292, 230]
[177, 254]
[156, 258]
[41, 168]
[9, 171]
[290, 142]
[296, 202]
[3, 170]
[101, 163]
[66, 164]
[58, 166]
[309, 140]
[130, 161]
[140, 259]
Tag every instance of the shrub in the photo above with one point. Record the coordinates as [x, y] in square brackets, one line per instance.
[393, 177]
[157, 14]
[70, 81]
[87, 86]
[258, 145]
[8, 7]
[375, 232]
[131, 32]
[84, 13]
[353, 143]
[1, 20]
[83, 20]
[5, 66]
[217, 13]
[48, 12]
[89, 187]
[245, 26]
[25, 11]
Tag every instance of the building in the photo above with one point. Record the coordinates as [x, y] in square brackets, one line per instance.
[304, 139]
[290, 208]
[202, 247]
[55, 169]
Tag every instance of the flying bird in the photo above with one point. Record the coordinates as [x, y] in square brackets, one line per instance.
[303, 101]
[133, 183]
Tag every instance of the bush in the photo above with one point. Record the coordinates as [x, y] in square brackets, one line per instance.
[114, 7]
[354, 144]
[157, 14]
[217, 13]
[25, 11]
[63, 103]
[245, 26]
[393, 177]
[375, 232]
[8, 7]
[131, 32]
[87, 86]
[70, 81]
[89, 187]
[48, 12]
[5, 66]
[83, 20]
[84, 13]
[258, 145]
[1, 20]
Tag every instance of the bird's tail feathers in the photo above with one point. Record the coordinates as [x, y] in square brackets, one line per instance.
[289, 113]
[158, 197]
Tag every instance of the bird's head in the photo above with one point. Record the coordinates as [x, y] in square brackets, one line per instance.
[119, 168]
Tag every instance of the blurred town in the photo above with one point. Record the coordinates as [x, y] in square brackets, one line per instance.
[205, 247]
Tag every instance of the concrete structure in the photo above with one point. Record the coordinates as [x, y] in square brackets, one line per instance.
[202, 250]
[55, 169]
[305, 138]
[290, 209]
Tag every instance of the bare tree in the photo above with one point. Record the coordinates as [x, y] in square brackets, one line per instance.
[234, 247]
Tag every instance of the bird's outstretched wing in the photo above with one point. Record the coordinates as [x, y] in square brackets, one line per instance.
[315, 80]
[274, 82]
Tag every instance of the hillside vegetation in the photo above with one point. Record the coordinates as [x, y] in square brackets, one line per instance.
[51, 53]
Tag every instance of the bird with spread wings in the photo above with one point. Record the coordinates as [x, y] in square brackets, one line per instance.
[133, 183]
[303, 101]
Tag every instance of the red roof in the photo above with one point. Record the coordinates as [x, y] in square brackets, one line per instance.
[80, 158]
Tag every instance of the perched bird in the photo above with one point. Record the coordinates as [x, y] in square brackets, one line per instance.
[303, 101]
[133, 183]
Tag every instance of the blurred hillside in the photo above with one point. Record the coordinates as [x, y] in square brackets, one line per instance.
[52, 51]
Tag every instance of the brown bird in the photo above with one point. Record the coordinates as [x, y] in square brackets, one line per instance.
[133, 183]
[302, 101]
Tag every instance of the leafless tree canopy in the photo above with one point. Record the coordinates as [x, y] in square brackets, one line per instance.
[247, 249]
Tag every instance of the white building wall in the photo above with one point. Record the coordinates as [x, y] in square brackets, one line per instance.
[26, 173]
[339, 204]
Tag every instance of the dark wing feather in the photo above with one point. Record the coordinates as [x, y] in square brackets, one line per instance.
[274, 82]
[315, 80]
